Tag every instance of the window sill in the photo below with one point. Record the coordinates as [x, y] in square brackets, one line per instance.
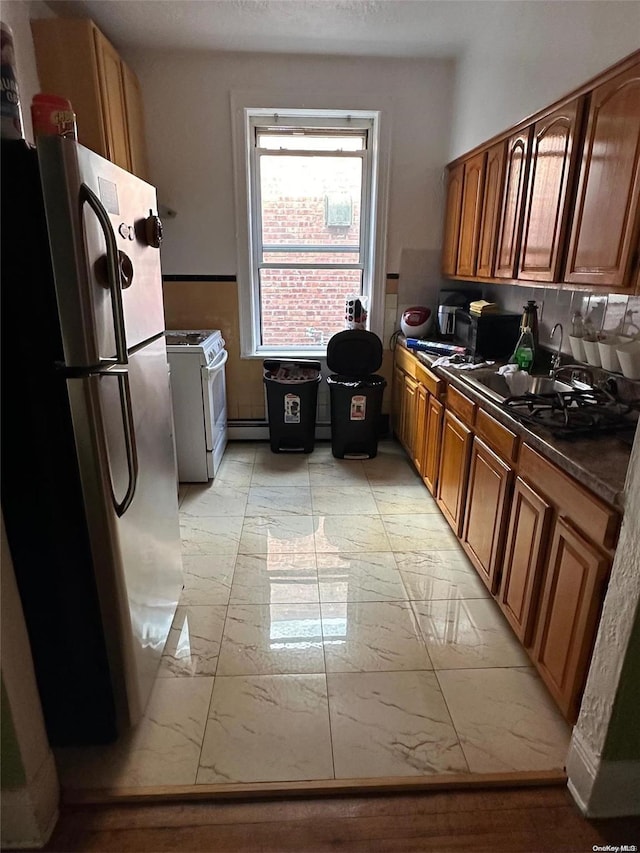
[286, 354]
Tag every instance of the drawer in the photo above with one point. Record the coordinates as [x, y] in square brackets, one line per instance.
[463, 407]
[596, 519]
[497, 436]
[407, 362]
[430, 381]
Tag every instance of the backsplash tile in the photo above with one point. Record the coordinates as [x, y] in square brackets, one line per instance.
[632, 325]
[608, 312]
[596, 310]
[615, 314]
[579, 303]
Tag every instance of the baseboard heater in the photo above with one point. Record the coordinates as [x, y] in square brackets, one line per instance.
[258, 430]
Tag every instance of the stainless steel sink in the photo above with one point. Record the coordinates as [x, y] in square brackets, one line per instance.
[495, 385]
[547, 385]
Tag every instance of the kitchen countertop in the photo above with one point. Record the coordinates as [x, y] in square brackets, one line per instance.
[599, 463]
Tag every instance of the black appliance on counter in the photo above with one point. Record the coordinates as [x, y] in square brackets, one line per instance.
[490, 335]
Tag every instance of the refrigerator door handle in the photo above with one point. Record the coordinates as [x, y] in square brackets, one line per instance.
[87, 196]
[124, 389]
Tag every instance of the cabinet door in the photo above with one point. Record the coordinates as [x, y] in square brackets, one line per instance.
[422, 397]
[397, 400]
[493, 178]
[485, 512]
[472, 189]
[432, 439]
[525, 551]
[569, 611]
[67, 66]
[512, 204]
[452, 220]
[135, 123]
[551, 175]
[113, 105]
[604, 233]
[407, 436]
[454, 470]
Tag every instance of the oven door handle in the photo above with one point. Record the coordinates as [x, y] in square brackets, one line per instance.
[219, 361]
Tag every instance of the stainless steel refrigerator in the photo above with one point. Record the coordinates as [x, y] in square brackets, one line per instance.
[88, 461]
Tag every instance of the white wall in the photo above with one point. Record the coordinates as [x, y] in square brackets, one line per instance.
[531, 54]
[188, 119]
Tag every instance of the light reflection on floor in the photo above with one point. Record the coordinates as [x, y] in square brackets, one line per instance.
[307, 640]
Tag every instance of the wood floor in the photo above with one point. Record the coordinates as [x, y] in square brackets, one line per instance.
[535, 820]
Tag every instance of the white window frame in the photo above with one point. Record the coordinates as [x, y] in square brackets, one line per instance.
[247, 216]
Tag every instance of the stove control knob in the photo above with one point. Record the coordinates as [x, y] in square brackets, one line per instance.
[153, 230]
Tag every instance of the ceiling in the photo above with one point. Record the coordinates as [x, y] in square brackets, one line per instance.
[385, 28]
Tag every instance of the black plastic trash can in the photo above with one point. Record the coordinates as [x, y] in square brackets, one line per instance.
[292, 400]
[355, 393]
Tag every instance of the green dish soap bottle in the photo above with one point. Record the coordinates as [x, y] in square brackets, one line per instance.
[524, 353]
[526, 350]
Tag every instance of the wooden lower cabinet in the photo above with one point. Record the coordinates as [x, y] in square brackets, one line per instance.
[454, 469]
[484, 518]
[420, 427]
[432, 440]
[408, 429]
[524, 557]
[569, 611]
[541, 542]
[396, 401]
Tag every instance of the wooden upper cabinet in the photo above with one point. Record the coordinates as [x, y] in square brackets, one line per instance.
[604, 233]
[452, 220]
[114, 115]
[516, 162]
[471, 214]
[492, 195]
[550, 178]
[77, 62]
[135, 123]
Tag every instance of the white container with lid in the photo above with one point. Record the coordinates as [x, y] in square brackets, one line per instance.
[577, 348]
[629, 358]
[608, 352]
[592, 352]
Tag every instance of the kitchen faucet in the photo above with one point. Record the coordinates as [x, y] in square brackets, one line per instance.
[555, 361]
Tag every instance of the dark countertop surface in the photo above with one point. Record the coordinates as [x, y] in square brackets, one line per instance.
[599, 463]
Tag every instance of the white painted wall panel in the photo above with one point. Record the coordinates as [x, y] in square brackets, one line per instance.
[188, 119]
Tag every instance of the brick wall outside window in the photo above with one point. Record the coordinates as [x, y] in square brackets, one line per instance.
[306, 307]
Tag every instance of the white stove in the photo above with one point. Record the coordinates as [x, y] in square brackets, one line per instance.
[197, 358]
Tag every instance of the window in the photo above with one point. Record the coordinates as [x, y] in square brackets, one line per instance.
[311, 201]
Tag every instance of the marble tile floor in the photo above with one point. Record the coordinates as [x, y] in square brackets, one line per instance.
[330, 627]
